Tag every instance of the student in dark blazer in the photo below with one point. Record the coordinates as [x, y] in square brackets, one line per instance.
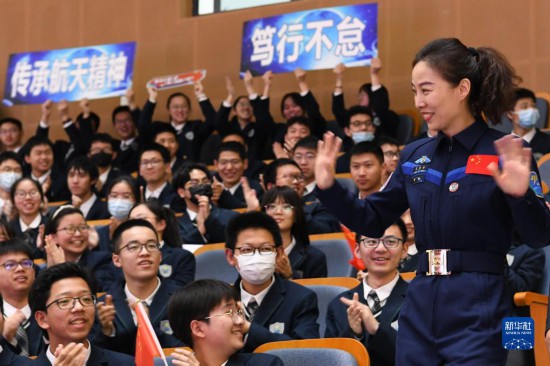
[136, 251]
[191, 133]
[54, 314]
[165, 135]
[79, 131]
[524, 116]
[231, 163]
[66, 240]
[102, 154]
[300, 259]
[128, 145]
[177, 264]
[212, 304]
[276, 309]
[39, 156]
[286, 172]
[154, 165]
[201, 222]
[82, 175]
[27, 200]
[369, 312]
[17, 275]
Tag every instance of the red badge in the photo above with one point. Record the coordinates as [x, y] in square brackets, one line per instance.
[477, 164]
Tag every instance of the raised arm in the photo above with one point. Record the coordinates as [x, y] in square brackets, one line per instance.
[338, 106]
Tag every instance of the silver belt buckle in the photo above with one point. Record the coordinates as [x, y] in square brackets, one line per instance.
[437, 262]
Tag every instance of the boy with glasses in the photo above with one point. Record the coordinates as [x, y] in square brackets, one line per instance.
[206, 315]
[154, 168]
[276, 309]
[231, 163]
[21, 332]
[201, 221]
[392, 153]
[136, 251]
[286, 172]
[62, 300]
[369, 312]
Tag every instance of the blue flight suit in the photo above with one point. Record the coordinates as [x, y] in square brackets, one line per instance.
[455, 318]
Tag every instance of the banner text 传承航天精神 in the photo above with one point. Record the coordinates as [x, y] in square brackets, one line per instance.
[91, 72]
[311, 40]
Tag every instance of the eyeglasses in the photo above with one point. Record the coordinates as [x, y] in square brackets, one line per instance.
[361, 123]
[67, 303]
[152, 163]
[263, 250]
[232, 162]
[22, 194]
[391, 154]
[273, 207]
[9, 131]
[234, 314]
[71, 230]
[387, 241]
[12, 265]
[307, 157]
[8, 169]
[136, 247]
[196, 182]
[294, 177]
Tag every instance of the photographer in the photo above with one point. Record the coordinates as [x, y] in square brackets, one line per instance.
[201, 221]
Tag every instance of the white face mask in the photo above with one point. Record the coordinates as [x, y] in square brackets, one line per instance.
[7, 179]
[362, 136]
[256, 269]
[119, 208]
[528, 117]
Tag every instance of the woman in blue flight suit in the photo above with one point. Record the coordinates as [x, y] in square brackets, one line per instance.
[468, 189]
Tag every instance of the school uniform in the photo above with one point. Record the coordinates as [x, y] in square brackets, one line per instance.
[319, 220]
[381, 345]
[467, 213]
[98, 357]
[124, 339]
[177, 265]
[288, 311]
[215, 226]
[307, 262]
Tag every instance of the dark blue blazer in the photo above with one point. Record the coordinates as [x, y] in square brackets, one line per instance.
[526, 271]
[254, 359]
[288, 311]
[114, 173]
[29, 236]
[99, 265]
[127, 160]
[98, 211]
[177, 264]
[236, 200]
[125, 338]
[215, 226]
[192, 135]
[540, 144]
[381, 346]
[35, 336]
[98, 357]
[319, 220]
[307, 262]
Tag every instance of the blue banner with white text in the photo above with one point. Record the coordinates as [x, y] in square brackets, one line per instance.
[312, 40]
[71, 74]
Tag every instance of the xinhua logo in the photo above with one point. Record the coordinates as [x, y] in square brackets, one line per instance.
[518, 333]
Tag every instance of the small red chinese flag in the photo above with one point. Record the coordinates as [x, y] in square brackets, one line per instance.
[147, 343]
[477, 164]
[350, 237]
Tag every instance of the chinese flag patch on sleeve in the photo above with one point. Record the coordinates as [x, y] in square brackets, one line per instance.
[477, 164]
